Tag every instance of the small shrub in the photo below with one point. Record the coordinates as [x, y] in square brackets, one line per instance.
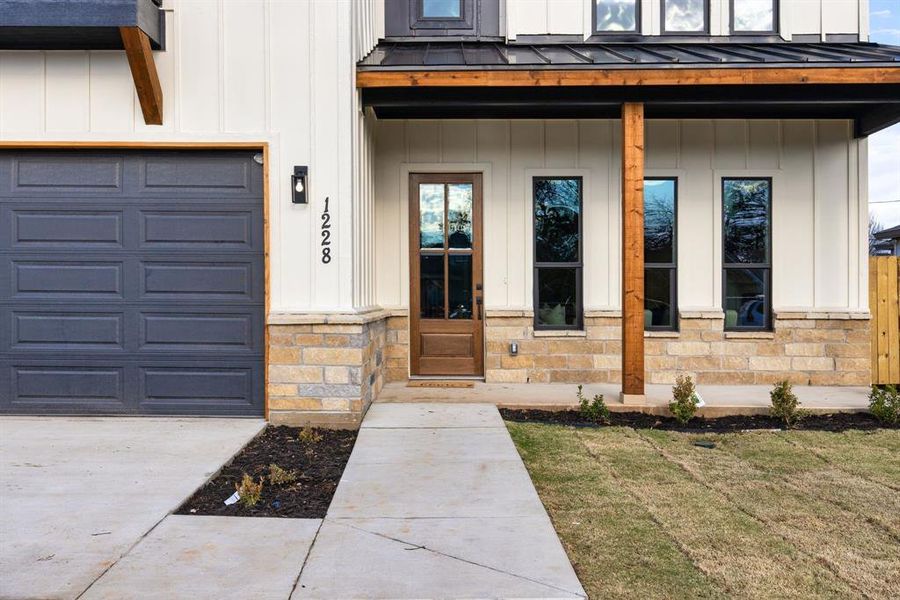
[279, 476]
[684, 399]
[308, 435]
[249, 491]
[884, 403]
[595, 410]
[785, 405]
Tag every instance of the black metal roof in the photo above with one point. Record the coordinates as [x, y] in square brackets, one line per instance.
[485, 55]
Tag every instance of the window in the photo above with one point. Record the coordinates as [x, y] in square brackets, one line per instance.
[753, 16]
[616, 16]
[441, 9]
[660, 294]
[746, 252]
[685, 16]
[557, 253]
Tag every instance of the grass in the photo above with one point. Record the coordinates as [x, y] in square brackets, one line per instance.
[797, 514]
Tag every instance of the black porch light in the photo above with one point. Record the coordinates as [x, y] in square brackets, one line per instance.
[298, 185]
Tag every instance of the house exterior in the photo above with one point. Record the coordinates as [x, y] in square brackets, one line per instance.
[268, 207]
[888, 242]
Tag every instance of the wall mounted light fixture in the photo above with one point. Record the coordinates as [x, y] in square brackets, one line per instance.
[299, 185]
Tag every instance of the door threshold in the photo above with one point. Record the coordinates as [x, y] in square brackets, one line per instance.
[443, 382]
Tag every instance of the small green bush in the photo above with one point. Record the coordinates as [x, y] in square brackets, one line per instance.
[279, 476]
[594, 410]
[249, 491]
[884, 403]
[785, 405]
[684, 399]
[308, 435]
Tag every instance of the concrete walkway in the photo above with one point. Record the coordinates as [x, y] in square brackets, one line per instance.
[720, 399]
[78, 493]
[436, 503]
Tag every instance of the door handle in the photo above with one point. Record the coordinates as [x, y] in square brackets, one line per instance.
[478, 302]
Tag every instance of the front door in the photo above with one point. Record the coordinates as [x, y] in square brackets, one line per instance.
[445, 294]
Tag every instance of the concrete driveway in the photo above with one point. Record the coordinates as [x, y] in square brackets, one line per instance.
[76, 494]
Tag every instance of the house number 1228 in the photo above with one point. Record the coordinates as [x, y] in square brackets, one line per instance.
[326, 235]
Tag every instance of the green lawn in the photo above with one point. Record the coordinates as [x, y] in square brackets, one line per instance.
[646, 514]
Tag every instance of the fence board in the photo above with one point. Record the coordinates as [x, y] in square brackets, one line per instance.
[884, 304]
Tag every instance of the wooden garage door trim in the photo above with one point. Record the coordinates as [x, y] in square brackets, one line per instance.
[162, 145]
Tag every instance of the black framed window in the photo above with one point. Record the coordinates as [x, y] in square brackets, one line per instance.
[440, 9]
[747, 253]
[660, 253]
[685, 16]
[754, 16]
[557, 252]
[442, 14]
[617, 16]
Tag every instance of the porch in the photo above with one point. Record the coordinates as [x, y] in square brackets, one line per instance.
[720, 400]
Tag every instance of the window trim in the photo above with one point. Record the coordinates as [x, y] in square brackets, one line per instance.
[672, 267]
[604, 32]
[767, 266]
[578, 265]
[775, 23]
[662, 19]
[465, 21]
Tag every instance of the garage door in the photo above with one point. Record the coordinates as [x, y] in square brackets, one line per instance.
[131, 282]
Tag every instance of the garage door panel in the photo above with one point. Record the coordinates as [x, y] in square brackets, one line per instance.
[168, 174]
[176, 280]
[62, 279]
[197, 230]
[131, 282]
[68, 386]
[68, 173]
[56, 227]
[63, 331]
[198, 332]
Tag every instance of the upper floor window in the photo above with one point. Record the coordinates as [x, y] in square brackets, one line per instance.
[467, 19]
[753, 16]
[441, 9]
[685, 16]
[616, 16]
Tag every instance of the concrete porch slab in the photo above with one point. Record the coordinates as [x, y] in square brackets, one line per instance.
[419, 414]
[439, 558]
[720, 399]
[78, 493]
[211, 557]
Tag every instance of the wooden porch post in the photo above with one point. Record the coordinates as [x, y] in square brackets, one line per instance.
[632, 252]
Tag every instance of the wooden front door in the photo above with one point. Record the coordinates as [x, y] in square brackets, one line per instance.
[445, 287]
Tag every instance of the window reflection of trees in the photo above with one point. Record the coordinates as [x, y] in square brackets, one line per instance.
[556, 214]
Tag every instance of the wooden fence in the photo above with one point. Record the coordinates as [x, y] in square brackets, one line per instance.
[884, 303]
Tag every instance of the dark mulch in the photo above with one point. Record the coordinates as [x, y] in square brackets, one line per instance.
[816, 422]
[318, 465]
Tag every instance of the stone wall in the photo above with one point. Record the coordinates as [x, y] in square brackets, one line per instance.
[325, 372]
[805, 348]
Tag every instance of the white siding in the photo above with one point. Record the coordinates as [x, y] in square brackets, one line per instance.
[236, 70]
[818, 204]
[574, 17]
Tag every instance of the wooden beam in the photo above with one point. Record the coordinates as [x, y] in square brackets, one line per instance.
[632, 251]
[640, 77]
[143, 71]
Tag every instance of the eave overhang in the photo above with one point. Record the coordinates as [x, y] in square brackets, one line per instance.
[842, 81]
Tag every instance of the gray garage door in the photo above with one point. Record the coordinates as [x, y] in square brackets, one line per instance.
[131, 282]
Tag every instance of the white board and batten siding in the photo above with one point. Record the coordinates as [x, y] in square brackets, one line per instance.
[236, 70]
[819, 202]
[797, 17]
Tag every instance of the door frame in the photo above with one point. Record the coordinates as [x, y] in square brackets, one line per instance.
[478, 181]
[261, 146]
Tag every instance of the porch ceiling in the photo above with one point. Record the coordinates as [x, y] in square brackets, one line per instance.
[690, 80]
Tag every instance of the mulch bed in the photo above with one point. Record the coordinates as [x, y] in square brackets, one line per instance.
[815, 422]
[318, 467]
